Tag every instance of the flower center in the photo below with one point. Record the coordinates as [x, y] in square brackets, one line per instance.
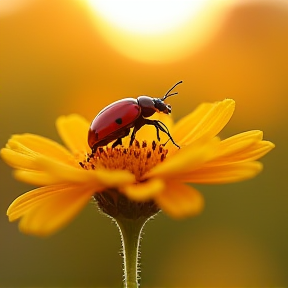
[138, 158]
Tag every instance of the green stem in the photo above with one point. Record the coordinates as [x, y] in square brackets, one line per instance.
[130, 231]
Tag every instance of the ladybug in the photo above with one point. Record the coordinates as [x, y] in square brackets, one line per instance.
[115, 121]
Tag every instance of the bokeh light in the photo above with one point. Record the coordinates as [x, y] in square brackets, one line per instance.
[155, 31]
[147, 17]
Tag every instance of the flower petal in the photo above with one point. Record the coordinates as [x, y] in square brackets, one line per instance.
[206, 121]
[42, 145]
[247, 146]
[53, 208]
[186, 159]
[179, 200]
[73, 130]
[114, 178]
[245, 151]
[145, 190]
[184, 125]
[26, 147]
[99, 177]
[252, 135]
[28, 200]
[38, 178]
[222, 174]
[18, 160]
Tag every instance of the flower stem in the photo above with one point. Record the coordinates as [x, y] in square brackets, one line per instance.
[130, 231]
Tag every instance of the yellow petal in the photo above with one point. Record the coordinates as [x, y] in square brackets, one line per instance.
[114, 178]
[73, 130]
[179, 200]
[222, 174]
[17, 160]
[99, 177]
[38, 178]
[52, 213]
[31, 145]
[28, 200]
[145, 190]
[186, 159]
[246, 146]
[252, 135]
[183, 126]
[244, 151]
[206, 121]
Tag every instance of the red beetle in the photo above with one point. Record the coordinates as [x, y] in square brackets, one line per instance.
[115, 121]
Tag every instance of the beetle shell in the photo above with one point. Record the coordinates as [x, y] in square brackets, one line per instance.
[115, 123]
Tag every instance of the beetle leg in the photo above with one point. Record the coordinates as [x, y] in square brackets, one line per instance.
[162, 127]
[159, 123]
[117, 142]
[133, 135]
[157, 132]
[119, 139]
[166, 141]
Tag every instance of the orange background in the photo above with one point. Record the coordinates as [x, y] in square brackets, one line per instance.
[54, 61]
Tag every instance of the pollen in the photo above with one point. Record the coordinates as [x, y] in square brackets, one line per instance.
[138, 158]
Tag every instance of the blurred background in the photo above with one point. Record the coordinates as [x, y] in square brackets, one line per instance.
[73, 56]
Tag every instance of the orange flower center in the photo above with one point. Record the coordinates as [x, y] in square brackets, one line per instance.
[138, 159]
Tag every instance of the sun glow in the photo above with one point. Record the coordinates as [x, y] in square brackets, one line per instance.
[153, 30]
[147, 16]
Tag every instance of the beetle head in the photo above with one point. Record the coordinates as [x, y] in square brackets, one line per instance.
[161, 106]
[159, 103]
[151, 105]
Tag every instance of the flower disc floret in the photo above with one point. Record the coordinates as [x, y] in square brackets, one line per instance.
[139, 158]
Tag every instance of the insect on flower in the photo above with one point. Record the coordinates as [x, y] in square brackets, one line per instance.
[115, 121]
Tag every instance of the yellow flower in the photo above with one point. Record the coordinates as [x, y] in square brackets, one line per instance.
[145, 174]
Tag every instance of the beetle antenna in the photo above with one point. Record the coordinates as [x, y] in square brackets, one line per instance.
[167, 93]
